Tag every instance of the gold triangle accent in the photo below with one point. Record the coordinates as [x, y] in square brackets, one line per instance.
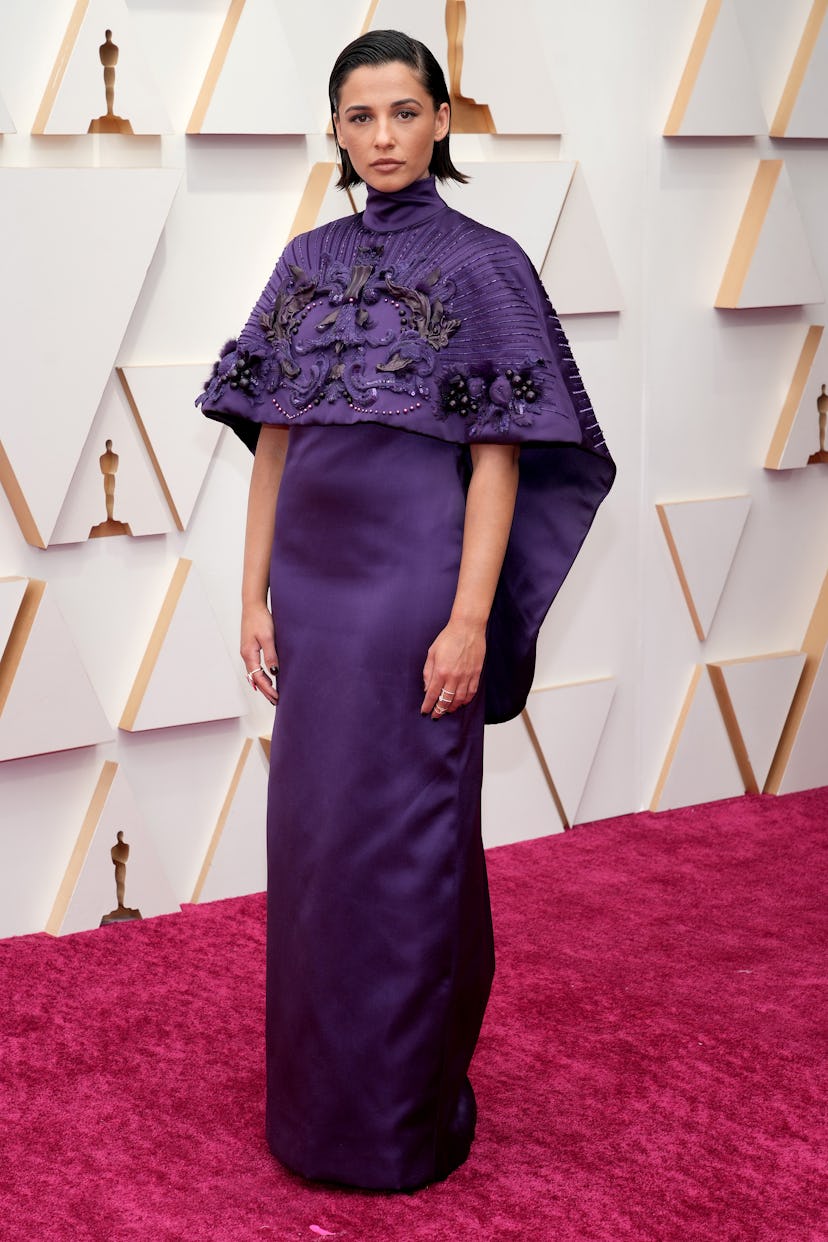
[747, 237]
[81, 849]
[682, 577]
[698, 51]
[734, 732]
[156, 465]
[794, 397]
[19, 635]
[20, 508]
[156, 642]
[796, 77]
[215, 67]
[221, 821]
[63, 57]
[674, 740]
[319, 179]
[533, 737]
[814, 646]
[265, 744]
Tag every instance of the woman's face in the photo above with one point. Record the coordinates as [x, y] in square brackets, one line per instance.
[387, 122]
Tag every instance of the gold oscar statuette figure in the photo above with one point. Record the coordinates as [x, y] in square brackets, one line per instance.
[109, 466]
[467, 116]
[110, 122]
[821, 455]
[121, 914]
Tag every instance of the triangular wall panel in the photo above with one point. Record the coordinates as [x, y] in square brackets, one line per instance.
[801, 761]
[803, 108]
[115, 458]
[703, 536]
[699, 765]
[799, 439]
[186, 675]
[321, 201]
[503, 63]
[243, 93]
[718, 94]
[770, 263]
[754, 696]
[179, 447]
[568, 722]
[518, 803]
[47, 702]
[75, 98]
[578, 271]
[89, 890]
[236, 859]
[6, 122]
[86, 235]
[524, 200]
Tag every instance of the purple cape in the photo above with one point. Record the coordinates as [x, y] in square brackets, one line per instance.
[412, 316]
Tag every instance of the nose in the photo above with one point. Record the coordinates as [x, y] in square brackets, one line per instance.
[383, 136]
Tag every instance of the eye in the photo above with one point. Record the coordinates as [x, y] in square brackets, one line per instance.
[359, 117]
[405, 114]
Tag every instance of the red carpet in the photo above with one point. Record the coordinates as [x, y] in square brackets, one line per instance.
[653, 1065]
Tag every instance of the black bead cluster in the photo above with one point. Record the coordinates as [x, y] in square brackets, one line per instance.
[241, 374]
[523, 386]
[458, 399]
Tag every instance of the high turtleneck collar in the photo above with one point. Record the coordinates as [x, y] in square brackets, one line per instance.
[402, 209]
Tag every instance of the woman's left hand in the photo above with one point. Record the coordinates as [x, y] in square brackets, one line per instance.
[453, 667]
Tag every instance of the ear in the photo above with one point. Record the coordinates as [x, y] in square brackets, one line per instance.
[338, 131]
[442, 118]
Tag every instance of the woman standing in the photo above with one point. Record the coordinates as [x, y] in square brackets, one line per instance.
[407, 389]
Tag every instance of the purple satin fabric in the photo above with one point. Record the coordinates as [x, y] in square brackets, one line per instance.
[379, 933]
[389, 343]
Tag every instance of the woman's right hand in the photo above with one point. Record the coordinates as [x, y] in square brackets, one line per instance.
[258, 650]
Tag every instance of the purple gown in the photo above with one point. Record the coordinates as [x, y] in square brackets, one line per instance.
[389, 342]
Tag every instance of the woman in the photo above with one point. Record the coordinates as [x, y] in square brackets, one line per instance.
[406, 387]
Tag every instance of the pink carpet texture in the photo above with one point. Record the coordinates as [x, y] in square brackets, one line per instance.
[652, 1067]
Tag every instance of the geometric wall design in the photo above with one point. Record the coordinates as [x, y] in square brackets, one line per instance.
[47, 702]
[703, 536]
[770, 263]
[801, 437]
[801, 762]
[6, 122]
[503, 63]
[699, 765]
[179, 446]
[236, 858]
[803, 109]
[717, 95]
[517, 800]
[74, 229]
[186, 675]
[255, 83]
[754, 696]
[89, 889]
[578, 271]
[77, 100]
[114, 490]
[567, 723]
[490, 196]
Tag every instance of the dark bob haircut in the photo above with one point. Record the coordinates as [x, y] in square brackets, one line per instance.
[383, 47]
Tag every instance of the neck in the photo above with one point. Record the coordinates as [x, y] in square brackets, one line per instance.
[389, 211]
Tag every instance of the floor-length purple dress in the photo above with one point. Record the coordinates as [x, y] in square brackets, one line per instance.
[389, 342]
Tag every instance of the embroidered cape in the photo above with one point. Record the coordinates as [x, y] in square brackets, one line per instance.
[416, 317]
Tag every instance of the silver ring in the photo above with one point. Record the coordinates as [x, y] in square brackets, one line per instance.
[445, 696]
[439, 711]
[251, 673]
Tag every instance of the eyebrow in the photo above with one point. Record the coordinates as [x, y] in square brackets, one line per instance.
[396, 104]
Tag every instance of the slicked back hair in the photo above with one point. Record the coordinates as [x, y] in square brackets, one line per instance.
[384, 47]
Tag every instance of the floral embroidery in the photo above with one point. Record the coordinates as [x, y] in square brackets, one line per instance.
[493, 400]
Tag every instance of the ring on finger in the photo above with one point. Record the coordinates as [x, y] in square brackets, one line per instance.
[439, 710]
[251, 673]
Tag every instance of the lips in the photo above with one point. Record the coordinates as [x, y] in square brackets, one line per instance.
[387, 165]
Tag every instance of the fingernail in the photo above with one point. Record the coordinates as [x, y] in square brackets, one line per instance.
[274, 668]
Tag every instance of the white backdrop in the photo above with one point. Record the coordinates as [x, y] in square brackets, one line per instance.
[688, 396]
